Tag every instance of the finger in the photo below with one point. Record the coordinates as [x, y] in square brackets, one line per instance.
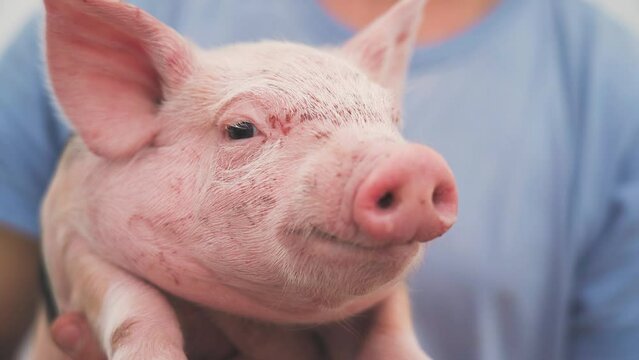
[394, 313]
[391, 333]
[74, 337]
[383, 332]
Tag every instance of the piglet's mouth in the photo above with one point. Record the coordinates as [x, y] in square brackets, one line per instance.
[317, 234]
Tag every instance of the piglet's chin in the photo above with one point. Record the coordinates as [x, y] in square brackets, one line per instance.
[329, 272]
[333, 292]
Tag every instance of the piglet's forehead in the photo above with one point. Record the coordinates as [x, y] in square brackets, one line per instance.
[292, 78]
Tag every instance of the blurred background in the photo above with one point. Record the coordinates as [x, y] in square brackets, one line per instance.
[625, 10]
[14, 12]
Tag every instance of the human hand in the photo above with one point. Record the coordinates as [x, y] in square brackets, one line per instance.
[71, 334]
[384, 332]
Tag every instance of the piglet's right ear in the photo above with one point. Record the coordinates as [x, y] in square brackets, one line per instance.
[110, 66]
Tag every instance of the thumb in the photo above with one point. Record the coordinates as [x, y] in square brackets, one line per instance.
[73, 335]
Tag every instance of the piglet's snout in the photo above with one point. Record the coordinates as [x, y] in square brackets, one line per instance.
[410, 195]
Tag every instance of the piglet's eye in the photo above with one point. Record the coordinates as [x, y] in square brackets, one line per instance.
[241, 130]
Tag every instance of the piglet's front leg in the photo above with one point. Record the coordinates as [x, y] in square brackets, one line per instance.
[131, 319]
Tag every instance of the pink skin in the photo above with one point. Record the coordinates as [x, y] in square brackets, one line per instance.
[288, 226]
[409, 196]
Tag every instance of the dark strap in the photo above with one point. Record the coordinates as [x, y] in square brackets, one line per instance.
[49, 302]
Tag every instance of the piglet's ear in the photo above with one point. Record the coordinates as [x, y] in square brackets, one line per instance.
[383, 49]
[110, 66]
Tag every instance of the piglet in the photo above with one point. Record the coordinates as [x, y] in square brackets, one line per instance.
[265, 181]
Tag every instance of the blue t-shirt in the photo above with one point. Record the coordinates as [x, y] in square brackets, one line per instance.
[536, 109]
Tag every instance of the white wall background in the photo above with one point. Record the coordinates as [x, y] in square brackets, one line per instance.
[14, 12]
[625, 10]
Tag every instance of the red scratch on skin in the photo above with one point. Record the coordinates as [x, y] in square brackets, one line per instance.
[177, 185]
[284, 126]
[167, 268]
[321, 135]
[273, 121]
[175, 279]
[172, 222]
[174, 61]
[401, 37]
[136, 218]
[375, 56]
[305, 117]
[397, 115]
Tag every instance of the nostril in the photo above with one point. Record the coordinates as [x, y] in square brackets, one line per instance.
[386, 201]
[445, 202]
[438, 196]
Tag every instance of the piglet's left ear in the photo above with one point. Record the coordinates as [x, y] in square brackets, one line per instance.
[383, 49]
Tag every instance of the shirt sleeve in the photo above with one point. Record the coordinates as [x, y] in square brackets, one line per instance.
[606, 309]
[31, 137]
[604, 322]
